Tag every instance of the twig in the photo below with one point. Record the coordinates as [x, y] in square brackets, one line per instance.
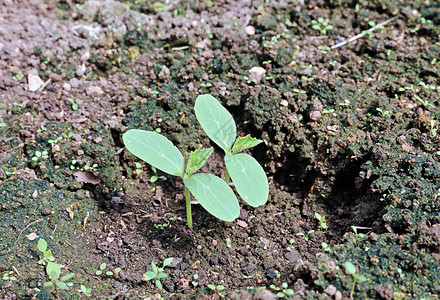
[16, 271]
[363, 33]
[39, 220]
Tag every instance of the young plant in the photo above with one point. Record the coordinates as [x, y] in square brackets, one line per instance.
[216, 289]
[247, 174]
[321, 25]
[157, 273]
[47, 254]
[210, 191]
[321, 220]
[102, 268]
[53, 271]
[305, 236]
[282, 291]
[86, 291]
[352, 270]
[357, 235]
[325, 246]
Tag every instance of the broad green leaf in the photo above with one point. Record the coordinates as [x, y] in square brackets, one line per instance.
[61, 285]
[155, 149]
[48, 284]
[167, 261]
[243, 143]
[249, 178]
[161, 275]
[154, 267]
[42, 245]
[350, 267]
[149, 275]
[215, 195]
[197, 159]
[67, 277]
[53, 270]
[216, 121]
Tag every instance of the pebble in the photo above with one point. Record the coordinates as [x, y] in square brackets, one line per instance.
[67, 87]
[315, 115]
[284, 103]
[34, 82]
[250, 30]
[330, 290]
[338, 295]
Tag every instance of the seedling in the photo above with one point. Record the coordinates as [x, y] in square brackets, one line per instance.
[357, 235]
[194, 281]
[433, 131]
[155, 177]
[352, 270]
[216, 289]
[74, 103]
[40, 155]
[247, 174]
[383, 113]
[139, 168]
[282, 291]
[18, 77]
[47, 254]
[321, 25]
[42, 128]
[157, 273]
[8, 276]
[102, 268]
[228, 243]
[325, 246]
[305, 236]
[321, 220]
[211, 192]
[86, 291]
[291, 245]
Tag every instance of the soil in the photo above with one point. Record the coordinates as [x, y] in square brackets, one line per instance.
[350, 132]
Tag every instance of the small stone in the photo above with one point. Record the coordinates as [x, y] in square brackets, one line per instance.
[256, 74]
[315, 115]
[250, 30]
[284, 103]
[34, 82]
[67, 87]
[32, 236]
[55, 77]
[338, 295]
[35, 194]
[330, 290]
[164, 72]
[270, 274]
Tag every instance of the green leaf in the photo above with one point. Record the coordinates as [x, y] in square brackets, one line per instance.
[67, 277]
[216, 121]
[161, 275]
[362, 278]
[159, 285]
[167, 261]
[350, 267]
[149, 275]
[98, 272]
[154, 267]
[53, 270]
[48, 284]
[215, 195]
[197, 159]
[42, 245]
[61, 285]
[211, 287]
[243, 143]
[109, 273]
[156, 150]
[249, 178]
[102, 266]
[318, 216]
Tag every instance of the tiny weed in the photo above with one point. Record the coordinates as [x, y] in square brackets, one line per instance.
[19, 76]
[216, 289]
[86, 291]
[228, 243]
[102, 268]
[8, 276]
[356, 277]
[74, 103]
[290, 247]
[321, 25]
[321, 220]
[356, 234]
[305, 236]
[194, 281]
[40, 155]
[325, 246]
[282, 291]
[157, 273]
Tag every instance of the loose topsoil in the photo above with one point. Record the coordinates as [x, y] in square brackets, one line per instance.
[350, 132]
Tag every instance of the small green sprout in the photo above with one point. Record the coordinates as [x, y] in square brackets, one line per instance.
[216, 289]
[282, 291]
[425, 103]
[357, 235]
[321, 220]
[383, 113]
[86, 291]
[139, 168]
[433, 131]
[291, 245]
[155, 177]
[102, 268]
[42, 128]
[352, 270]
[74, 103]
[228, 243]
[321, 25]
[325, 246]
[8, 276]
[305, 236]
[40, 155]
[157, 273]
[92, 167]
[194, 281]
[19, 76]
[54, 141]
[47, 254]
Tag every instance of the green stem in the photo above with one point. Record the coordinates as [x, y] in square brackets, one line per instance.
[227, 176]
[352, 288]
[188, 208]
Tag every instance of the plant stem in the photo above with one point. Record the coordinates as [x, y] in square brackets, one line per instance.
[188, 208]
[352, 288]
[227, 176]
